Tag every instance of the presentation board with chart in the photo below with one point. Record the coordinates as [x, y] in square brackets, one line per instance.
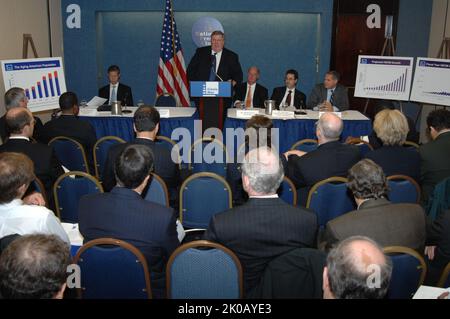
[387, 78]
[42, 79]
[432, 81]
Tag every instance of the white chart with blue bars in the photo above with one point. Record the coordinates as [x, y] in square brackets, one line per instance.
[42, 79]
[432, 82]
[381, 77]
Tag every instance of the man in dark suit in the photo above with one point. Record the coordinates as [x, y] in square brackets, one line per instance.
[251, 94]
[377, 218]
[69, 125]
[16, 97]
[47, 168]
[329, 96]
[123, 214]
[435, 156]
[332, 158]
[265, 227]
[289, 95]
[146, 125]
[116, 91]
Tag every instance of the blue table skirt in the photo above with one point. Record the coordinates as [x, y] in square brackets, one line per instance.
[123, 126]
[292, 131]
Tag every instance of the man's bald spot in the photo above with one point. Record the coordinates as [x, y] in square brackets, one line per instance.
[365, 254]
[265, 157]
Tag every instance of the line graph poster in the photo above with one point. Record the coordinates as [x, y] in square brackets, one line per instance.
[387, 78]
[432, 81]
[42, 79]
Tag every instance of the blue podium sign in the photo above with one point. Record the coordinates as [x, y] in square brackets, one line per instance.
[210, 89]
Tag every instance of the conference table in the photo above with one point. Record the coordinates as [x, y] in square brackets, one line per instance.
[106, 124]
[299, 127]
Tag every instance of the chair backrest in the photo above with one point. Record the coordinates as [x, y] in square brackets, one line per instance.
[194, 272]
[112, 269]
[444, 281]
[171, 146]
[40, 188]
[288, 192]
[411, 145]
[203, 195]
[68, 189]
[403, 189]
[70, 153]
[363, 146]
[205, 146]
[330, 199]
[306, 145]
[101, 148]
[440, 199]
[166, 99]
[408, 272]
[157, 191]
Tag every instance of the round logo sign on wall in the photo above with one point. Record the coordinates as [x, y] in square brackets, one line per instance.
[202, 29]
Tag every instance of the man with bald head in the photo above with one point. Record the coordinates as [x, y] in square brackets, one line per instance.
[16, 97]
[351, 268]
[20, 123]
[250, 93]
[331, 158]
[265, 227]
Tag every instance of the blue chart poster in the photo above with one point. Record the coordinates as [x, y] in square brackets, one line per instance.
[432, 81]
[42, 79]
[387, 78]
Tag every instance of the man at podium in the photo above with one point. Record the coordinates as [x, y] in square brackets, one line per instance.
[215, 63]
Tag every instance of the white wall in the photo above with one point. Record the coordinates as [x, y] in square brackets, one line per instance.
[28, 16]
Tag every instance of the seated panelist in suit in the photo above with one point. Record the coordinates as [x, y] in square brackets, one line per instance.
[329, 96]
[116, 91]
[265, 227]
[123, 214]
[251, 94]
[289, 95]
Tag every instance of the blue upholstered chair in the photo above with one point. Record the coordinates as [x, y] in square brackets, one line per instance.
[444, 281]
[208, 146]
[166, 99]
[112, 269]
[288, 192]
[306, 145]
[204, 270]
[408, 273]
[330, 199]
[203, 195]
[68, 189]
[70, 153]
[403, 189]
[157, 191]
[101, 148]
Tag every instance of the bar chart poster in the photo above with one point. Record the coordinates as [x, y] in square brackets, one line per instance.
[432, 82]
[386, 78]
[42, 79]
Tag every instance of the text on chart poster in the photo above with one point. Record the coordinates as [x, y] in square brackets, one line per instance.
[42, 79]
[387, 78]
[432, 82]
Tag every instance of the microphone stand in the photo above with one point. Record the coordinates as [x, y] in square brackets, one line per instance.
[126, 111]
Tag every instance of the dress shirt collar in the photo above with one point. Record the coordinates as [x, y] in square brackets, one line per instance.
[19, 137]
[265, 196]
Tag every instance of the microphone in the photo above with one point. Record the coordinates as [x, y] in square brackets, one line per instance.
[126, 111]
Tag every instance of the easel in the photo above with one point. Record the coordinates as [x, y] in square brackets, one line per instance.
[28, 39]
[388, 50]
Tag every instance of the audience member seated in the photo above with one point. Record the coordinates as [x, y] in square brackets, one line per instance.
[116, 91]
[438, 247]
[265, 227]
[123, 214]
[388, 224]
[250, 93]
[435, 156]
[17, 217]
[15, 97]
[20, 123]
[146, 125]
[254, 128]
[34, 267]
[332, 158]
[350, 268]
[69, 125]
[391, 127]
[289, 95]
[329, 96]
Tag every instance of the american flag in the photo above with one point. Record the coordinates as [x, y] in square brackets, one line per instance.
[172, 77]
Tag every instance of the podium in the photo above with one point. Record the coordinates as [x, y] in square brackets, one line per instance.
[211, 105]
